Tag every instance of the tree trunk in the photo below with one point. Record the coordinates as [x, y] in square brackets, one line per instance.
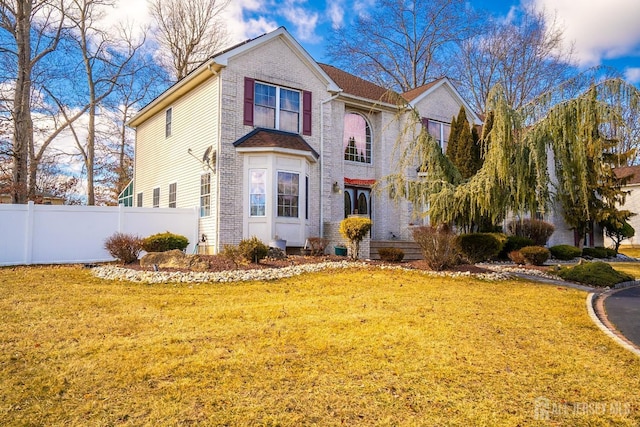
[23, 125]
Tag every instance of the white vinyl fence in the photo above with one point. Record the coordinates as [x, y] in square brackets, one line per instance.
[48, 234]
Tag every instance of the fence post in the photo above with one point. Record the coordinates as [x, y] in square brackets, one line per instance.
[120, 218]
[28, 235]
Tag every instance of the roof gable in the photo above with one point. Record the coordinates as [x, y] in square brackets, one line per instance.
[629, 171]
[414, 96]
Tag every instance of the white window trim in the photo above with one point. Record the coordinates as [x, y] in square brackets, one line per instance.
[206, 194]
[277, 194]
[175, 195]
[277, 121]
[155, 204]
[168, 124]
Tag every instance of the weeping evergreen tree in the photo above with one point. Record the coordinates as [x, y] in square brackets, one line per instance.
[550, 150]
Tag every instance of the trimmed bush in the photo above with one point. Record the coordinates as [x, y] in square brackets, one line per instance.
[537, 230]
[535, 255]
[391, 254]
[354, 229]
[598, 252]
[477, 247]
[253, 250]
[611, 253]
[596, 273]
[514, 243]
[163, 242]
[565, 252]
[438, 245]
[516, 257]
[124, 247]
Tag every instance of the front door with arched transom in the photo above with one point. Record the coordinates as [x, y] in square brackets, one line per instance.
[357, 201]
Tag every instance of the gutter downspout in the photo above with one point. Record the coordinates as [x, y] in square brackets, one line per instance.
[322, 160]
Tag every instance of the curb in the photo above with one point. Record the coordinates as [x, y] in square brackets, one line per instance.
[611, 332]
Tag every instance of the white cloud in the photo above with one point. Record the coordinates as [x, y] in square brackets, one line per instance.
[305, 21]
[632, 75]
[240, 29]
[335, 12]
[601, 29]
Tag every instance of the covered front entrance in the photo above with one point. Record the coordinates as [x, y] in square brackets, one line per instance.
[357, 201]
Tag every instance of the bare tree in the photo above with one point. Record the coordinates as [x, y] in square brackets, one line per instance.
[527, 56]
[32, 30]
[105, 60]
[189, 31]
[402, 44]
[115, 143]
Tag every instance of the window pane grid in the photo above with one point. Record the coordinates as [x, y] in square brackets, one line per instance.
[257, 192]
[205, 194]
[156, 197]
[288, 193]
[357, 139]
[172, 195]
[276, 108]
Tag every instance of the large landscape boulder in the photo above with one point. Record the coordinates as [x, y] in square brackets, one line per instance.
[175, 259]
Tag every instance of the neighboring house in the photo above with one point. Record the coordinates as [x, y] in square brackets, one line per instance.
[268, 142]
[632, 202]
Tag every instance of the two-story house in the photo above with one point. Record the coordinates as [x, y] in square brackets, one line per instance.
[270, 143]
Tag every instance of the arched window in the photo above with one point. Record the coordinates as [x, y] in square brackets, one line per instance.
[347, 204]
[357, 138]
[363, 205]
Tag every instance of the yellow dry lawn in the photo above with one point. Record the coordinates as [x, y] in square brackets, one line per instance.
[632, 252]
[363, 347]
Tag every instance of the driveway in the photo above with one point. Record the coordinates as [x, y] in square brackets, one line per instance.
[623, 311]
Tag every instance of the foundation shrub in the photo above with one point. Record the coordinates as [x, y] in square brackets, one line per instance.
[391, 254]
[253, 249]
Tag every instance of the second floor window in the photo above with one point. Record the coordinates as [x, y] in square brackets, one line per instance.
[276, 108]
[440, 131]
[167, 122]
[357, 138]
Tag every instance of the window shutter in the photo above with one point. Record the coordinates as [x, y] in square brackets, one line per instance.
[248, 101]
[306, 113]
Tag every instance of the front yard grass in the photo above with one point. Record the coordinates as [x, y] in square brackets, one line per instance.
[363, 347]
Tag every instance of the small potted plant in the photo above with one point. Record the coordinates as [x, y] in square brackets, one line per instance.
[340, 250]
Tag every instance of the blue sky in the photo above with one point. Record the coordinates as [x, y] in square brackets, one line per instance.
[605, 32]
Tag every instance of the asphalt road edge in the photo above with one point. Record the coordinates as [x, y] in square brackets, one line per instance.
[591, 297]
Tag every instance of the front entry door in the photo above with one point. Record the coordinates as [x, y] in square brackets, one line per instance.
[357, 201]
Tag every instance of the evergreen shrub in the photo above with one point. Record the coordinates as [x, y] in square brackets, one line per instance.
[535, 255]
[162, 242]
[478, 247]
[253, 249]
[595, 273]
[565, 252]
